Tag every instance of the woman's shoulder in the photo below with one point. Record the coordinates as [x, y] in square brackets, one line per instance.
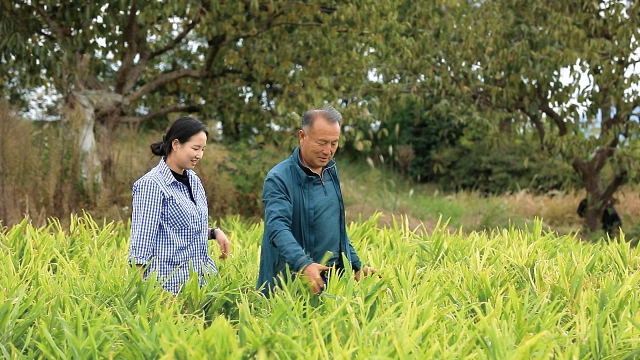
[150, 180]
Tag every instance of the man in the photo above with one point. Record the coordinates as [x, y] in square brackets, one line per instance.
[304, 210]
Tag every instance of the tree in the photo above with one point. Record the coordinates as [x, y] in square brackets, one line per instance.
[566, 67]
[248, 64]
[407, 125]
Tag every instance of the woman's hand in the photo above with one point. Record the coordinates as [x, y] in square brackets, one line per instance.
[223, 241]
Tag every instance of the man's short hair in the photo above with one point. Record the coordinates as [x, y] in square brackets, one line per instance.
[328, 112]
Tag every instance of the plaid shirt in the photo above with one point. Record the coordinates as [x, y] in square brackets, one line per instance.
[169, 230]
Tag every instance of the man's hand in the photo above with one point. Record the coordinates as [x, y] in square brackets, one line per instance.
[312, 273]
[367, 270]
[223, 241]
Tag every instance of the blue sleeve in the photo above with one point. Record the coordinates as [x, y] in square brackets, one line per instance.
[278, 219]
[356, 264]
[145, 220]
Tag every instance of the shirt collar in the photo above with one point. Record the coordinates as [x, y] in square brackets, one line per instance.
[305, 168]
[165, 172]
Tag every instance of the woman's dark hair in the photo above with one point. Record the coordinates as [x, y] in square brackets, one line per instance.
[182, 130]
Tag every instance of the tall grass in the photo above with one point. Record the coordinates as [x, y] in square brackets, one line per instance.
[40, 170]
[501, 294]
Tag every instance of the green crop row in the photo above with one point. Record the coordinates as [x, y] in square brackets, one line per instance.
[506, 294]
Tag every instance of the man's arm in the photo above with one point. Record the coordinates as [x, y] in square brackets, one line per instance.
[356, 264]
[278, 219]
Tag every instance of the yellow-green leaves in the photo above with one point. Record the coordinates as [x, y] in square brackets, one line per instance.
[517, 294]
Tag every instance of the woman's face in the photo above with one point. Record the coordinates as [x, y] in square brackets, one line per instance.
[186, 155]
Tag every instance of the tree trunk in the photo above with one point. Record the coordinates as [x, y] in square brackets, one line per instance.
[93, 135]
[593, 214]
[105, 129]
[594, 187]
[597, 195]
[82, 122]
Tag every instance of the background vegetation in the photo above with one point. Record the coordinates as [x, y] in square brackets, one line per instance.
[490, 96]
[41, 180]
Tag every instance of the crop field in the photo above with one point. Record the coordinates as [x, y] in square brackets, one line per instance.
[505, 294]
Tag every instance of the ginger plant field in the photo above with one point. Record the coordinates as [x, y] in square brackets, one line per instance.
[68, 293]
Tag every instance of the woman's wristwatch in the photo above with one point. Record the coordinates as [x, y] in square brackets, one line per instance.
[212, 233]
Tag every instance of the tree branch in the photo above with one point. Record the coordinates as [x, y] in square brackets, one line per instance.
[215, 45]
[617, 181]
[55, 28]
[268, 25]
[178, 39]
[601, 157]
[136, 71]
[130, 34]
[557, 119]
[160, 112]
[580, 166]
[165, 79]
[131, 72]
[539, 126]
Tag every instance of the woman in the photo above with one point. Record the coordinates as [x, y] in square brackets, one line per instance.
[169, 221]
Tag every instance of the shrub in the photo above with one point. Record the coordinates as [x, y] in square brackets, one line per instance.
[500, 168]
[39, 168]
[237, 188]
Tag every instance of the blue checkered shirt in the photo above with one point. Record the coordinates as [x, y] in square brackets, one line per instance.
[168, 230]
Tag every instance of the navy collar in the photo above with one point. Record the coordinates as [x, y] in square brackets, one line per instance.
[167, 175]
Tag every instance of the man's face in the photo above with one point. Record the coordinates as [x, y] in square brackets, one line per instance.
[318, 144]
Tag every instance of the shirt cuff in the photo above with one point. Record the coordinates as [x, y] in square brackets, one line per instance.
[302, 263]
[138, 260]
[356, 266]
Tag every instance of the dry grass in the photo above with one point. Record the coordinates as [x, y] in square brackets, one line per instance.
[559, 210]
[369, 190]
[629, 203]
[31, 162]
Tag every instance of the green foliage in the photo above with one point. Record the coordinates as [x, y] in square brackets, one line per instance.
[567, 69]
[248, 64]
[245, 168]
[417, 127]
[426, 131]
[497, 168]
[69, 293]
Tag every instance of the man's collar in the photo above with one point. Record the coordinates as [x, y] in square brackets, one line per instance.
[308, 170]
